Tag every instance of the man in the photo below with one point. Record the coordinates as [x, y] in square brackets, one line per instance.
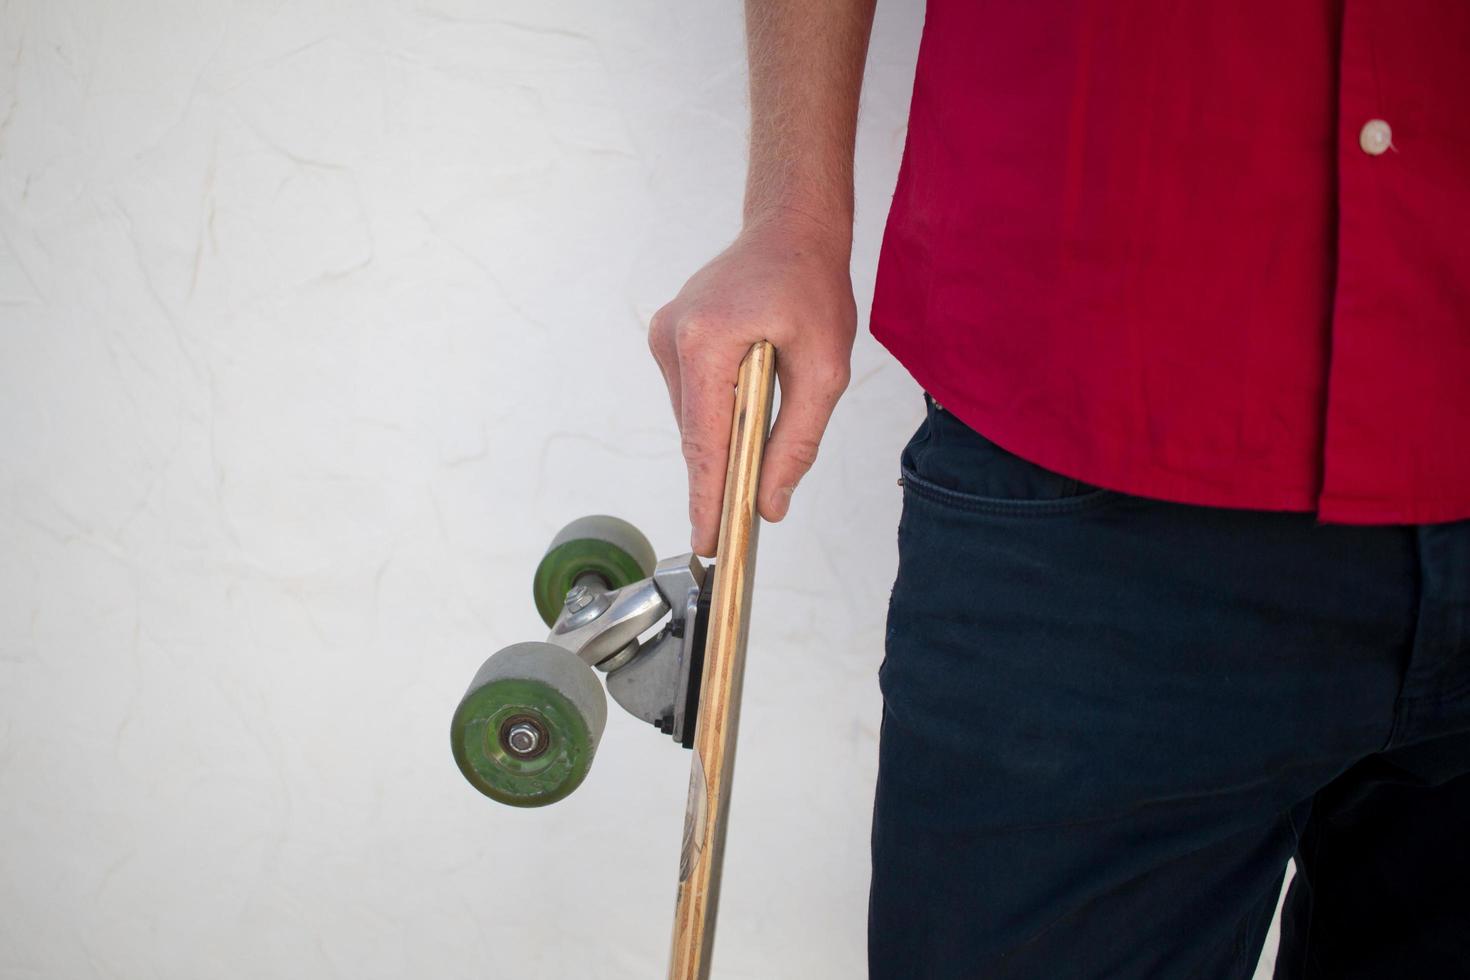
[1203, 271]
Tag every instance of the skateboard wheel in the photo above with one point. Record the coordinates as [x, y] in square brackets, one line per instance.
[605, 546]
[526, 730]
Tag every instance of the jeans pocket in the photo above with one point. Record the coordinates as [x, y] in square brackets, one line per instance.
[950, 464]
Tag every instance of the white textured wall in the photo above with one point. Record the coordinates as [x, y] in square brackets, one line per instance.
[317, 319]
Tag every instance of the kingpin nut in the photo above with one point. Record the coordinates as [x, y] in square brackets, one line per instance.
[578, 596]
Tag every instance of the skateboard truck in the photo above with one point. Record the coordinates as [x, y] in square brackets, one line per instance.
[527, 728]
[656, 680]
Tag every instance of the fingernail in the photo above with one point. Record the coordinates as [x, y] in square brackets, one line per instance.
[783, 500]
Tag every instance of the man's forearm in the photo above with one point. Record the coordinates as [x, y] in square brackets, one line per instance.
[806, 72]
[785, 279]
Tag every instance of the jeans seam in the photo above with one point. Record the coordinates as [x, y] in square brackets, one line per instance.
[1003, 508]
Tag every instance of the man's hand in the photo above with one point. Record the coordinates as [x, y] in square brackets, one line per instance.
[785, 279]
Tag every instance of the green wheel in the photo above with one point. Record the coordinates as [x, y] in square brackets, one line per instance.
[527, 728]
[599, 545]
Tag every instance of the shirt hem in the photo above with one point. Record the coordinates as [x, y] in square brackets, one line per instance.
[1171, 487]
[1347, 510]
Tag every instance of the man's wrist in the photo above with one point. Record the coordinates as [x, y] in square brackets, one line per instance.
[821, 225]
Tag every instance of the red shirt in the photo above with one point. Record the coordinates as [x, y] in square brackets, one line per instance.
[1216, 253]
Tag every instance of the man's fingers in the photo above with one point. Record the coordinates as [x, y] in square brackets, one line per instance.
[665, 355]
[809, 392]
[707, 399]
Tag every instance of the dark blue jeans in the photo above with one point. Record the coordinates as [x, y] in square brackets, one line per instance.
[1108, 722]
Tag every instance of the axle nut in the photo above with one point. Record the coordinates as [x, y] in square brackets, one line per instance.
[523, 737]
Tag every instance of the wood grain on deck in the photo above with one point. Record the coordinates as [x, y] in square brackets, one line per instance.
[724, 669]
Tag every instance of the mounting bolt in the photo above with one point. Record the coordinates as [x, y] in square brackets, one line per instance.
[578, 596]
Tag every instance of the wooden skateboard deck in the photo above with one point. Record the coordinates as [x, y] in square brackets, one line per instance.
[712, 768]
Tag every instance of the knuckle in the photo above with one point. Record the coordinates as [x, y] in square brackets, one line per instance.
[658, 332]
[701, 329]
[803, 450]
[694, 333]
[837, 376]
[696, 450]
[826, 375]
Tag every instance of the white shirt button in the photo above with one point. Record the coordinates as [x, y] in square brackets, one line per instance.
[1376, 137]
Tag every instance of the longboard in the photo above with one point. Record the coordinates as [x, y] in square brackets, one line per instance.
[713, 767]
